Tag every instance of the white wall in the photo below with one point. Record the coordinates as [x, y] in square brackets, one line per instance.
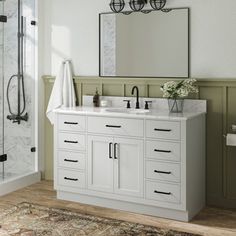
[71, 31]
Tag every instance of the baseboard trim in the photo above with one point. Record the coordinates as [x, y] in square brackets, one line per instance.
[17, 183]
[124, 206]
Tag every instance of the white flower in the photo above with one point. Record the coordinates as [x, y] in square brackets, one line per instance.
[173, 89]
[182, 92]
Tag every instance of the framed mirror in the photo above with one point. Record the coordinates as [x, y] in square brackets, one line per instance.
[155, 44]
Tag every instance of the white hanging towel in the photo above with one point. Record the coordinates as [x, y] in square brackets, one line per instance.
[63, 92]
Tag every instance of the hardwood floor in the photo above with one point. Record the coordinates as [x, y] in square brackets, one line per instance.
[211, 221]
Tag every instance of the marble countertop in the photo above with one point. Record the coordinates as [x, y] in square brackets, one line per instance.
[152, 114]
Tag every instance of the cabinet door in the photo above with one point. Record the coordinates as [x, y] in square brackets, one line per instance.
[100, 163]
[128, 167]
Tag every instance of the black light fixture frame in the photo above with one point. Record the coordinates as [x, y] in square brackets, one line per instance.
[117, 6]
[137, 5]
[157, 4]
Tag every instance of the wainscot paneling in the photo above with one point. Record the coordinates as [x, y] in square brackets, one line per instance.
[221, 97]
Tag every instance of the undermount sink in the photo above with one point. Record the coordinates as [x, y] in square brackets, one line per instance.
[126, 110]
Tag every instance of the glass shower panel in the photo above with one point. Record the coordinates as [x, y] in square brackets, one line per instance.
[1, 91]
[19, 90]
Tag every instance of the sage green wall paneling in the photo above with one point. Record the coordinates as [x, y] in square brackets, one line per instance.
[154, 91]
[90, 88]
[221, 97]
[231, 151]
[113, 89]
[48, 136]
[214, 97]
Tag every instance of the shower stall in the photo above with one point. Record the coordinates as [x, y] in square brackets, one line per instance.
[18, 44]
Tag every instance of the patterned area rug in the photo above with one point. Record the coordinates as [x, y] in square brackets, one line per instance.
[34, 220]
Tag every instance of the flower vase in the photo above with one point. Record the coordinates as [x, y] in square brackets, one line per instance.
[175, 105]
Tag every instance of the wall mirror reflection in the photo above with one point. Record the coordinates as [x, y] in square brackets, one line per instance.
[145, 45]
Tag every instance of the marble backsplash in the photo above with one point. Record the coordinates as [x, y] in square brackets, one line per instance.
[160, 104]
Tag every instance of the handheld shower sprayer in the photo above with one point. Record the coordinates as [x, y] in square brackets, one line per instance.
[18, 116]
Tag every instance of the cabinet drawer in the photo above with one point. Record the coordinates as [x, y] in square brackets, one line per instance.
[72, 123]
[163, 129]
[163, 150]
[116, 126]
[163, 192]
[71, 160]
[163, 171]
[69, 178]
[71, 141]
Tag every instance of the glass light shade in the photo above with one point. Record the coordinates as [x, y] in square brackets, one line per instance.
[157, 4]
[117, 5]
[137, 5]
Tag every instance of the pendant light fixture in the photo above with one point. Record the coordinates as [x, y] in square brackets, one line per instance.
[117, 5]
[157, 4]
[137, 5]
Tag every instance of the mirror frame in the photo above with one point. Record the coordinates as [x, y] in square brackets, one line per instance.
[130, 12]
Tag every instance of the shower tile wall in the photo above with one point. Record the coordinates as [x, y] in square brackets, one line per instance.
[18, 139]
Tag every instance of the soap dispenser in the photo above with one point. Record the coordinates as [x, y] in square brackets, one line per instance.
[96, 99]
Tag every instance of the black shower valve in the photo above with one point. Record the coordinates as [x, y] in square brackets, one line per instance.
[18, 118]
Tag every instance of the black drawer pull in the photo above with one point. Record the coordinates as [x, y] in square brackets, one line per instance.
[66, 141]
[70, 123]
[110, 147]
[164, 193]
[73, 161]
[162, 172]
[115, 151]
[70, 179]
[163, 130]
[164, 151]
[114, 126]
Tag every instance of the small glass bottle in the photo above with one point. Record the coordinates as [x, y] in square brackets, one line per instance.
[96, 99]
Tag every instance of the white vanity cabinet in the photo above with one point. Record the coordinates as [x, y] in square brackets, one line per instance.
[149, 164]
[100, 164]
[115, 165]
[128, 167]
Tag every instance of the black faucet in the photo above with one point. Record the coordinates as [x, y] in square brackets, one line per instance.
[137, 101]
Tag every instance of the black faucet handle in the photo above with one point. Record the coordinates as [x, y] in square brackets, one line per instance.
[146, 104]
[128, 103]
